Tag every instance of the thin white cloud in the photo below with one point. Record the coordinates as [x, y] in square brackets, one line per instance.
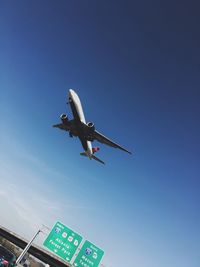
[26, 201]
[16, 153]
[2, 192]
[31, 208]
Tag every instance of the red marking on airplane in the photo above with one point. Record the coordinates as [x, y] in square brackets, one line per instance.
[95, 149]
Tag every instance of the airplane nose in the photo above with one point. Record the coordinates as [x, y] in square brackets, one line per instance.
[70, 94]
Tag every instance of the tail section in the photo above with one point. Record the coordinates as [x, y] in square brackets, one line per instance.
[83, 154]
[95, 149]
[97, 159]
[93, 156]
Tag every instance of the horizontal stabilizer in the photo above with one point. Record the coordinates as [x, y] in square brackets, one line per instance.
[83, 154]
[93, 157]
[97, 159]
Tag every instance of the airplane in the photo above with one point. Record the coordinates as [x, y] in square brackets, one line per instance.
[86, 132]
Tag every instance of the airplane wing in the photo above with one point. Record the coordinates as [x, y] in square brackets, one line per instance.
[62, 126]
[104, 140]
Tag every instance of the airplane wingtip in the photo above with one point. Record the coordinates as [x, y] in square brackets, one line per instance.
[129, 152]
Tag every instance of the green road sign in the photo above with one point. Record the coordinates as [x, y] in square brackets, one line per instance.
[88, 256]
[63, 241]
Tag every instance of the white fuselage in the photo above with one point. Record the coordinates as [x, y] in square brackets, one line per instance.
[79, 110]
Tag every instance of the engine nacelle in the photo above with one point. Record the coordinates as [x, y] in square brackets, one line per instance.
[91, 127]
[64, 118]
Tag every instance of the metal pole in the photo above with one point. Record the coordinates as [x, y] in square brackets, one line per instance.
[26, 248]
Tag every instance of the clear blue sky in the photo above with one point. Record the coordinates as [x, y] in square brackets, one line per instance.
[135, 67]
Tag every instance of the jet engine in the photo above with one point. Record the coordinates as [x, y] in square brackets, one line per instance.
[90, 131]
[64, 118]
[91, 127]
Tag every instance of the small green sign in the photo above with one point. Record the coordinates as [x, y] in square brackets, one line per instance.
[88, 256]
[63, 241]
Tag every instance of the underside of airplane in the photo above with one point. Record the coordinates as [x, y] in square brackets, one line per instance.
[86, 132]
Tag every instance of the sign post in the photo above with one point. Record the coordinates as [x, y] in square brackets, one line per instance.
[27, 247]
[63, 241]
[89, 256]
